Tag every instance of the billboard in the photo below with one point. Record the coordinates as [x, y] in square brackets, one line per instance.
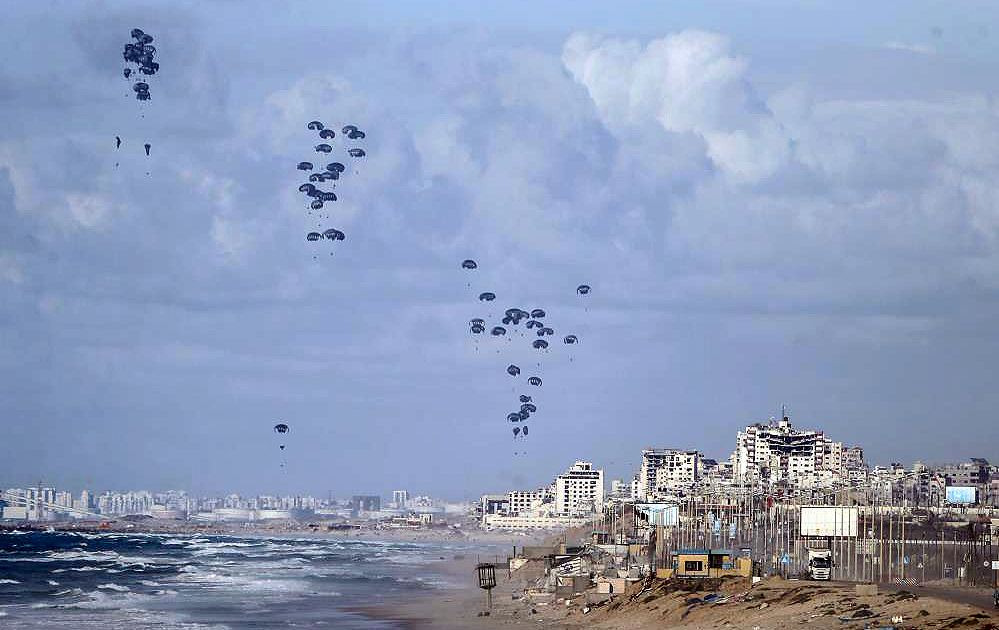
[659, 513]
[961, 495]
[829, 520]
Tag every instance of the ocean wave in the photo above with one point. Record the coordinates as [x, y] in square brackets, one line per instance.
[149, 583]
[8, 581]
[111, 586]
[53, 583]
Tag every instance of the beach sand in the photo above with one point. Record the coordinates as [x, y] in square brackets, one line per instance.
[773, 604]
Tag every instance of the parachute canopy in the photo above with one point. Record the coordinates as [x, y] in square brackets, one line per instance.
[540, 344]
[570, 339]
[534, 380]
[583, 289]
[326, 134]
[315, 125]
[355, 152]
[512, 370]
[323, 148]
[487, 297]
[281, 428]
[498, 331]
[305, 166]
[313, 236]
[538, 313]
[468, 264]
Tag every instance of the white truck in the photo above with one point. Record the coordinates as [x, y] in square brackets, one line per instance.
[819, 563]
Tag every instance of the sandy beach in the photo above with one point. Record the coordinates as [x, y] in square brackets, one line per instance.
[773, 604]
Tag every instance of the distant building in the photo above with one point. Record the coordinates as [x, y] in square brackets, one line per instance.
[365, 503]
[400, 498]
[781, 454]
[678, 464]
[579, 490]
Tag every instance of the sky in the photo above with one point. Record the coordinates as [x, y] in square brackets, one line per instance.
[775, 202]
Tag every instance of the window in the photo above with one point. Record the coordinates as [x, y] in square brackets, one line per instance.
[715, 562]
[693, 565]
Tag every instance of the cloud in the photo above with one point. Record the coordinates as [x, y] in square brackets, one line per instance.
[744, 243]
[920, 49]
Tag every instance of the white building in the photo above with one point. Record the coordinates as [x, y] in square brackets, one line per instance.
[579, 490]
[400, 498]
[782, 454]
[679, 464]
[525, 502]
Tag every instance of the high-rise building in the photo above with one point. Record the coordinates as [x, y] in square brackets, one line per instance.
[679, 463]
[400, 498]
[782, 454]
[580, 489]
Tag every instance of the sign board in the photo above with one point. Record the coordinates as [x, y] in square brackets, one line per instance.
[995, 565]
[829, 520]
[961, 495]
[659, 513]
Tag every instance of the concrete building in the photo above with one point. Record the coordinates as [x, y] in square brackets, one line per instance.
[579, 490]
[365, 503]
[400, 498]
[525, 502]
[781, 454]
[679, 464]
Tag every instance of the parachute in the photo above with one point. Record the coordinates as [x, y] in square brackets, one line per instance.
[323, 148]
[512, 370]
[305, 166]
[335, 167]
[525, 431]
[525, 398]
[513, 417]
[356, 135]
[487, 297]
[538, 313]
[583, 289]
[117, 142]
[529, 407]
[355, 152]
[540, 344]
[477, 320]
[334, 235]
[317, 204]
[507, 320]
[306, 188]
[140, 53]
[327, 196]
[516, 431]
[534, 380]
[348, 129]
[315, 125]
[326, 134]
[533, 323]
[468, 264]
[313, 236]
[147, 146]
[498, 331]
[281, 428]
[478, 328]
[570, 339]
[523, 415]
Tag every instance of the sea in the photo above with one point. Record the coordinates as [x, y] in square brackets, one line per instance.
[109, 580]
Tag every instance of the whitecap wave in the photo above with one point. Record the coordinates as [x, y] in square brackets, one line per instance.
[8, 581]
[111, 586]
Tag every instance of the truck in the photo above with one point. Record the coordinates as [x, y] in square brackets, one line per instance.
[819, 563]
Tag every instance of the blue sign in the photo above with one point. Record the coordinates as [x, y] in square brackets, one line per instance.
[961, 495]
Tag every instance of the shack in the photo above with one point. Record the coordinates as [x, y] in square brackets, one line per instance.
[706, 563]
